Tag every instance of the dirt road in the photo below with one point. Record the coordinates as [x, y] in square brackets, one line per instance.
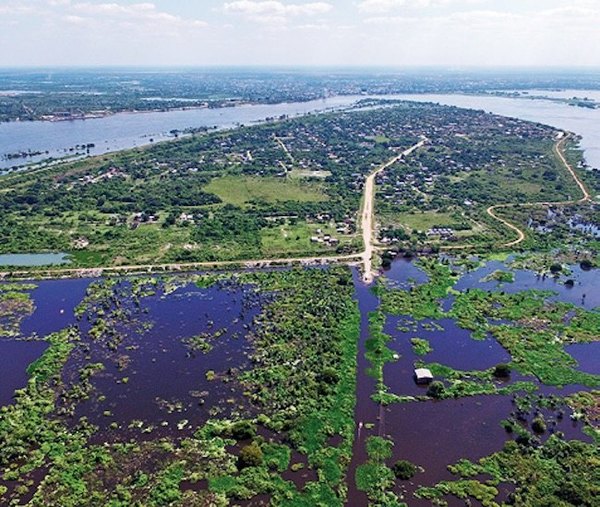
[368, 211]
[558, 147]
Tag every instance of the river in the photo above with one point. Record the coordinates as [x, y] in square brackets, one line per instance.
[582, 121]
[128, 130]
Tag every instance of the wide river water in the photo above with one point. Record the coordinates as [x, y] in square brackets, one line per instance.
[128, 130]
[580, 120]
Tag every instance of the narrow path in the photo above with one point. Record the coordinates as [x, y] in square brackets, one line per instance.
[285, 149]
[558, 151]
[368, 211]
[179, 267]
[520, 233]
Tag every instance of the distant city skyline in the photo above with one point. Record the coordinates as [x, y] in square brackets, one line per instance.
[490, 33]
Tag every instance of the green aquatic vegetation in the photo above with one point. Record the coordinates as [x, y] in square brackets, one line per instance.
[542, 355]
[559, 472]
[500, 276]
[28, 436]
[17, 287]
[463, 489]
[458, 383]
[374, 477]
[203, 342]
[15, 305]
[379, 448]
[583, 326]
[421, 346]
[586, 407]
[536, 332]
[300, 392]
[420, 301]
[378, 353]
[276, 456]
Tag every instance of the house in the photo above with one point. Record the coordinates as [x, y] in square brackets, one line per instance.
[423, 376]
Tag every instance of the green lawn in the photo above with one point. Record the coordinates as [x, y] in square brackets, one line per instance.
[423, 221]
[241, 190]
[295, 239]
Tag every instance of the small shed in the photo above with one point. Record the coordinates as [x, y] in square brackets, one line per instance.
[423, 376]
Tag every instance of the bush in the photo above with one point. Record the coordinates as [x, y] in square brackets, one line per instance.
[404, 470]
[502, 370]
[241, 430]
[329, 376]
[538, 425]
[251, 456]
[436, 389]
[555, 269]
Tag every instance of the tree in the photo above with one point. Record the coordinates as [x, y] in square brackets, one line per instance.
[242, 430]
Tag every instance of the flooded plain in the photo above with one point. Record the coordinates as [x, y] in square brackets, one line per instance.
[166, 357]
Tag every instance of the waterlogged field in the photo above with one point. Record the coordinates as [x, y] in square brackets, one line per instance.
[296, 387]
[187, 390]
[513, 393]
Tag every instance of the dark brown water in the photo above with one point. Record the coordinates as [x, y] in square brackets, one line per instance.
[15, 356]
[435, 434]
[167, 385]
[164, 384]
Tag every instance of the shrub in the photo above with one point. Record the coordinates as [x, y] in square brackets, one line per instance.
[241, 430]
[502, 370]
[404, 470]
[436, 389]
[539, 425]
[251, 456]
[555, 269]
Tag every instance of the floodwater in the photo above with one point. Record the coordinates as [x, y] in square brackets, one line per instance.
[155, 376]
[587, 355]
[152, 375]
[435, 434]
[584, 291]
[452, 346]
[55, 302]
[35, 259]
[15, 357]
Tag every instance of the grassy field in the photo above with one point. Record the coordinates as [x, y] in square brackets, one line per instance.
[422, 221]
[295, 239]
[241, 190]
[308, 174]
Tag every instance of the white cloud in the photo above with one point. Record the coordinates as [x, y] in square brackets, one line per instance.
[12, 8]
[143, 13]
[274, 11]
[384, 6]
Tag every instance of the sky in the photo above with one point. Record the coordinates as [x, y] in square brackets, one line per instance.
[396, 33]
